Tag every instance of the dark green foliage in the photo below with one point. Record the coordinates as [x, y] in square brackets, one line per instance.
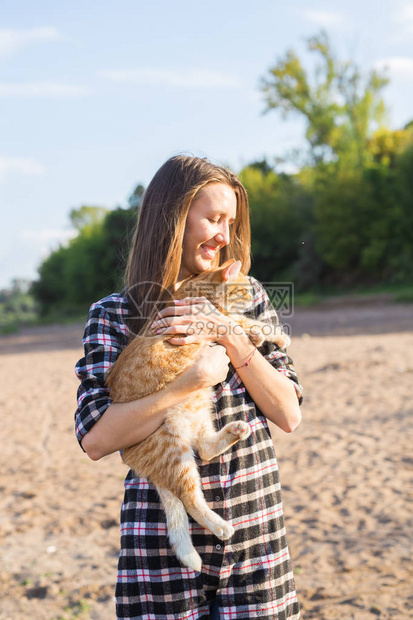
[403, 261]
[332, 226]
[354, 219]
[51, 287]
[281, 217]
[90, 267]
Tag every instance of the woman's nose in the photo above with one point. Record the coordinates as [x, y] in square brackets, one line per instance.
[223, 235]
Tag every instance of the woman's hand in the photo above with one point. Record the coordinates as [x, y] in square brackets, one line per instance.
[209, 368]
[198, 319]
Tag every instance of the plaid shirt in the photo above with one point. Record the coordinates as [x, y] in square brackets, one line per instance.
[250, 575]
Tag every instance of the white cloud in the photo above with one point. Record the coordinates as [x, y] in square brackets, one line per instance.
[186, 78]
[397, 66]
[52, 90]
[20, 166]
[406, 16]
[325, 18]
[402, 18]
[12, 40]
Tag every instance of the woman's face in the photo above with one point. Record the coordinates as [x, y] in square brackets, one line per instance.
[207, 227]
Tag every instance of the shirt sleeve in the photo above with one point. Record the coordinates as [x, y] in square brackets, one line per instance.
[263, 310]
[103, 341]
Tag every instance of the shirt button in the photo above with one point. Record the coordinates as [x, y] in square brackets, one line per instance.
[217, 498]
[217, 547]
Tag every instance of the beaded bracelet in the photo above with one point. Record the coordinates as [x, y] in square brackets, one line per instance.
[248, 360]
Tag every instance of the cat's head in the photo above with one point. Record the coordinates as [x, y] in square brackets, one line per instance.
[226, 287]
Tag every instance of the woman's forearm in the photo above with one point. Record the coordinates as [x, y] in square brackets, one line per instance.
[272, 392]
[125, 424]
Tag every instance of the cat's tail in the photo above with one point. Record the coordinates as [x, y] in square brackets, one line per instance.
[178, 530]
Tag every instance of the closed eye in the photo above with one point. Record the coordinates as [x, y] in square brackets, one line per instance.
[216, 221]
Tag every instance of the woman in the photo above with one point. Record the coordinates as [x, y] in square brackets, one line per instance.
[194, 216]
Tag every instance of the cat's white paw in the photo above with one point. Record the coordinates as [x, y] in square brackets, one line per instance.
[240, 429]
[227, 532]
[223, 530]
[192, 560]
[283, 341]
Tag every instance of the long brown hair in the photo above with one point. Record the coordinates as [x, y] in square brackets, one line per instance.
[155, 256]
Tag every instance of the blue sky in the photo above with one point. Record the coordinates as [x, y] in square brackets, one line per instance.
[94, 96]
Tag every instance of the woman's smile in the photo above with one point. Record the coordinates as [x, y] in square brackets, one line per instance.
[209, 250]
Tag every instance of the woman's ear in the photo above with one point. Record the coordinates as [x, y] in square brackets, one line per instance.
[231, 271]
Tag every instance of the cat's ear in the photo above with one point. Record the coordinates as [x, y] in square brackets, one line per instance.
[231, 272]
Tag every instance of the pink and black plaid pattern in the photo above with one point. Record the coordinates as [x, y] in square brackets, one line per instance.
[250, 574]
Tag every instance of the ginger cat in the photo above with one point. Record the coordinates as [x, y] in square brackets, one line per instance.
[166, 457]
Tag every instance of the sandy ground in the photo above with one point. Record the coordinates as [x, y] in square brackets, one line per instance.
[347, 473]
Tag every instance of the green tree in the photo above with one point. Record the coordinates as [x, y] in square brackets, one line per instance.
[359, 224]
[50, 289]
[386, 145]
[87, 216]
[90, 266]
[281, 219]
[340, 106]
[403, 259]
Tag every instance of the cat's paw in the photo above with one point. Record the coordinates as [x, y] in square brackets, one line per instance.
[223, 531]
[240, 429]
[192, 560]
[256, 336]
[227, 531]
[283, 341]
